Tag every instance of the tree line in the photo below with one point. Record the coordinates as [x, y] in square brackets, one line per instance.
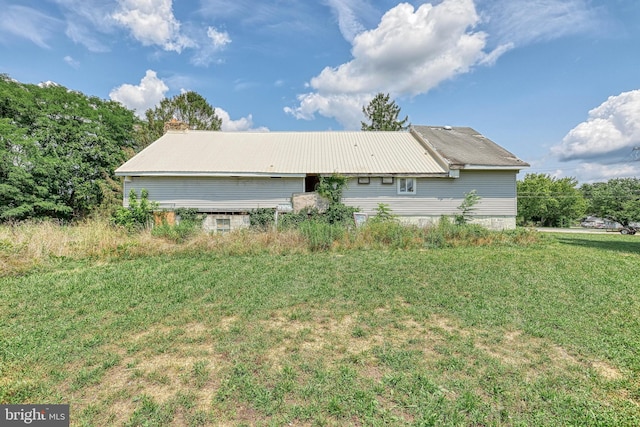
[59, 148]
[556, 202]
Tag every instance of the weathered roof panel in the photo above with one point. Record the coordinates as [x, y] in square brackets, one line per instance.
[464, 147]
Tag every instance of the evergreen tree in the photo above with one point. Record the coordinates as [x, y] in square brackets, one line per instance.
[383, 115]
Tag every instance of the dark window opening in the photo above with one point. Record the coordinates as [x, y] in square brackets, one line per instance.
[311, 183]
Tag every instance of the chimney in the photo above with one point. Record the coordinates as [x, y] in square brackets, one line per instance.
[175, 124]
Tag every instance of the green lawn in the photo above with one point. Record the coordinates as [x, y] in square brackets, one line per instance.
[545, 334]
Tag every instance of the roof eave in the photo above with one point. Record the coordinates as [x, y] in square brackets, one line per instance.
[490, 167]
[209, 174]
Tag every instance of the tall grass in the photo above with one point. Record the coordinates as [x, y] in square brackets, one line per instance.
[29, 245]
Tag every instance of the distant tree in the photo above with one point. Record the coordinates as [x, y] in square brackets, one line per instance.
[617, 199]
[548, 201]
[58, 149]
[383, 115]
[189, 108]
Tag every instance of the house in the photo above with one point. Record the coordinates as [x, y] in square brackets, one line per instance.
[421, 174]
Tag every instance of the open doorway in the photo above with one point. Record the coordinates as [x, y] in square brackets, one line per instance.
[311, 183]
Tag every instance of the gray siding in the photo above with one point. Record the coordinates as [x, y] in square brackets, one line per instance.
[220, 194]
[439, 196]
[434, 196]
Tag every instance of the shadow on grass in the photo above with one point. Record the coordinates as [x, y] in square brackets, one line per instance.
[610, 245]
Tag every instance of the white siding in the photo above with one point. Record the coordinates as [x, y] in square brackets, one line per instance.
[439, 196]
[215, 194]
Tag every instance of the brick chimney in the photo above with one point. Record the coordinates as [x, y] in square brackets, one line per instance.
[175, 124]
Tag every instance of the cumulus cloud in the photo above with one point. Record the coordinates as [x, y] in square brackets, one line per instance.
[242, 124]
[409, 53]
[140, 98]
[611, 131]
[28, 23]
[152, 22]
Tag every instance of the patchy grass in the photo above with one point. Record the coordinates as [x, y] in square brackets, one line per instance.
[544, 334]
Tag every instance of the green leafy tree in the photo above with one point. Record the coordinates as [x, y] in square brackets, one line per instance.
[57, 149]
[189, 108]
[617, 199]
[548, 201]
[382, 113]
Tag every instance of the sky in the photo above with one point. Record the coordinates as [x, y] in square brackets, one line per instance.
[556, 82]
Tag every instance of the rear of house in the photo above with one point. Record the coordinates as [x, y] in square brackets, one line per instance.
[421, 175]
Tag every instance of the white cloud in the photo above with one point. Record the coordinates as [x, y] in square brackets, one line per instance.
[71, 62]
[526, 21]
[215, 41]
[348, 22]
[346, 108]
[595, 172]
[27, 23]
[152, 22]
[409, 53]
[140, 98]
[242, 124]
[87, 21]
[219, 38]
[611, 131]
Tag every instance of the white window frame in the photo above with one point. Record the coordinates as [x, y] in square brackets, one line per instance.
[223, 225]
[402, 182]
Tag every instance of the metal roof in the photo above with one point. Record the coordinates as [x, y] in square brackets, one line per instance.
[466, 148]
[285, 154]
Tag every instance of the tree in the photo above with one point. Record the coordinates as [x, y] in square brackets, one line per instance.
[617, 199]
[549, 201]
[189, 107]
[383, 115]
[57, 149]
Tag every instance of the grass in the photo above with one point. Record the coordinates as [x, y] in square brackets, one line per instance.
[496, 334]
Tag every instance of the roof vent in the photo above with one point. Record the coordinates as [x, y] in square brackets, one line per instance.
[447, 127]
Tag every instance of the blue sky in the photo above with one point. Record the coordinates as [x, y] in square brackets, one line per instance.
[557, 82]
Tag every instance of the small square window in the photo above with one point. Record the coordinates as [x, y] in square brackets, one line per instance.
[406, 186]
[387, 180]
[364, 180]
[223, 225]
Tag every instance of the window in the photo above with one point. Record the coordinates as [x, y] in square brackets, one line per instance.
[364, 180]
[387, 180]
[406, 186]
[223, 225]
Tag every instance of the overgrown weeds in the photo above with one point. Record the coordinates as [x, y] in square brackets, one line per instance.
[28, 245]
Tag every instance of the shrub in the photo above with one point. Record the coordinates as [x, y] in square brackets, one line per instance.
[383, 214]
[190, 222]
[467, 207]
[138, 215]
[262, 218]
